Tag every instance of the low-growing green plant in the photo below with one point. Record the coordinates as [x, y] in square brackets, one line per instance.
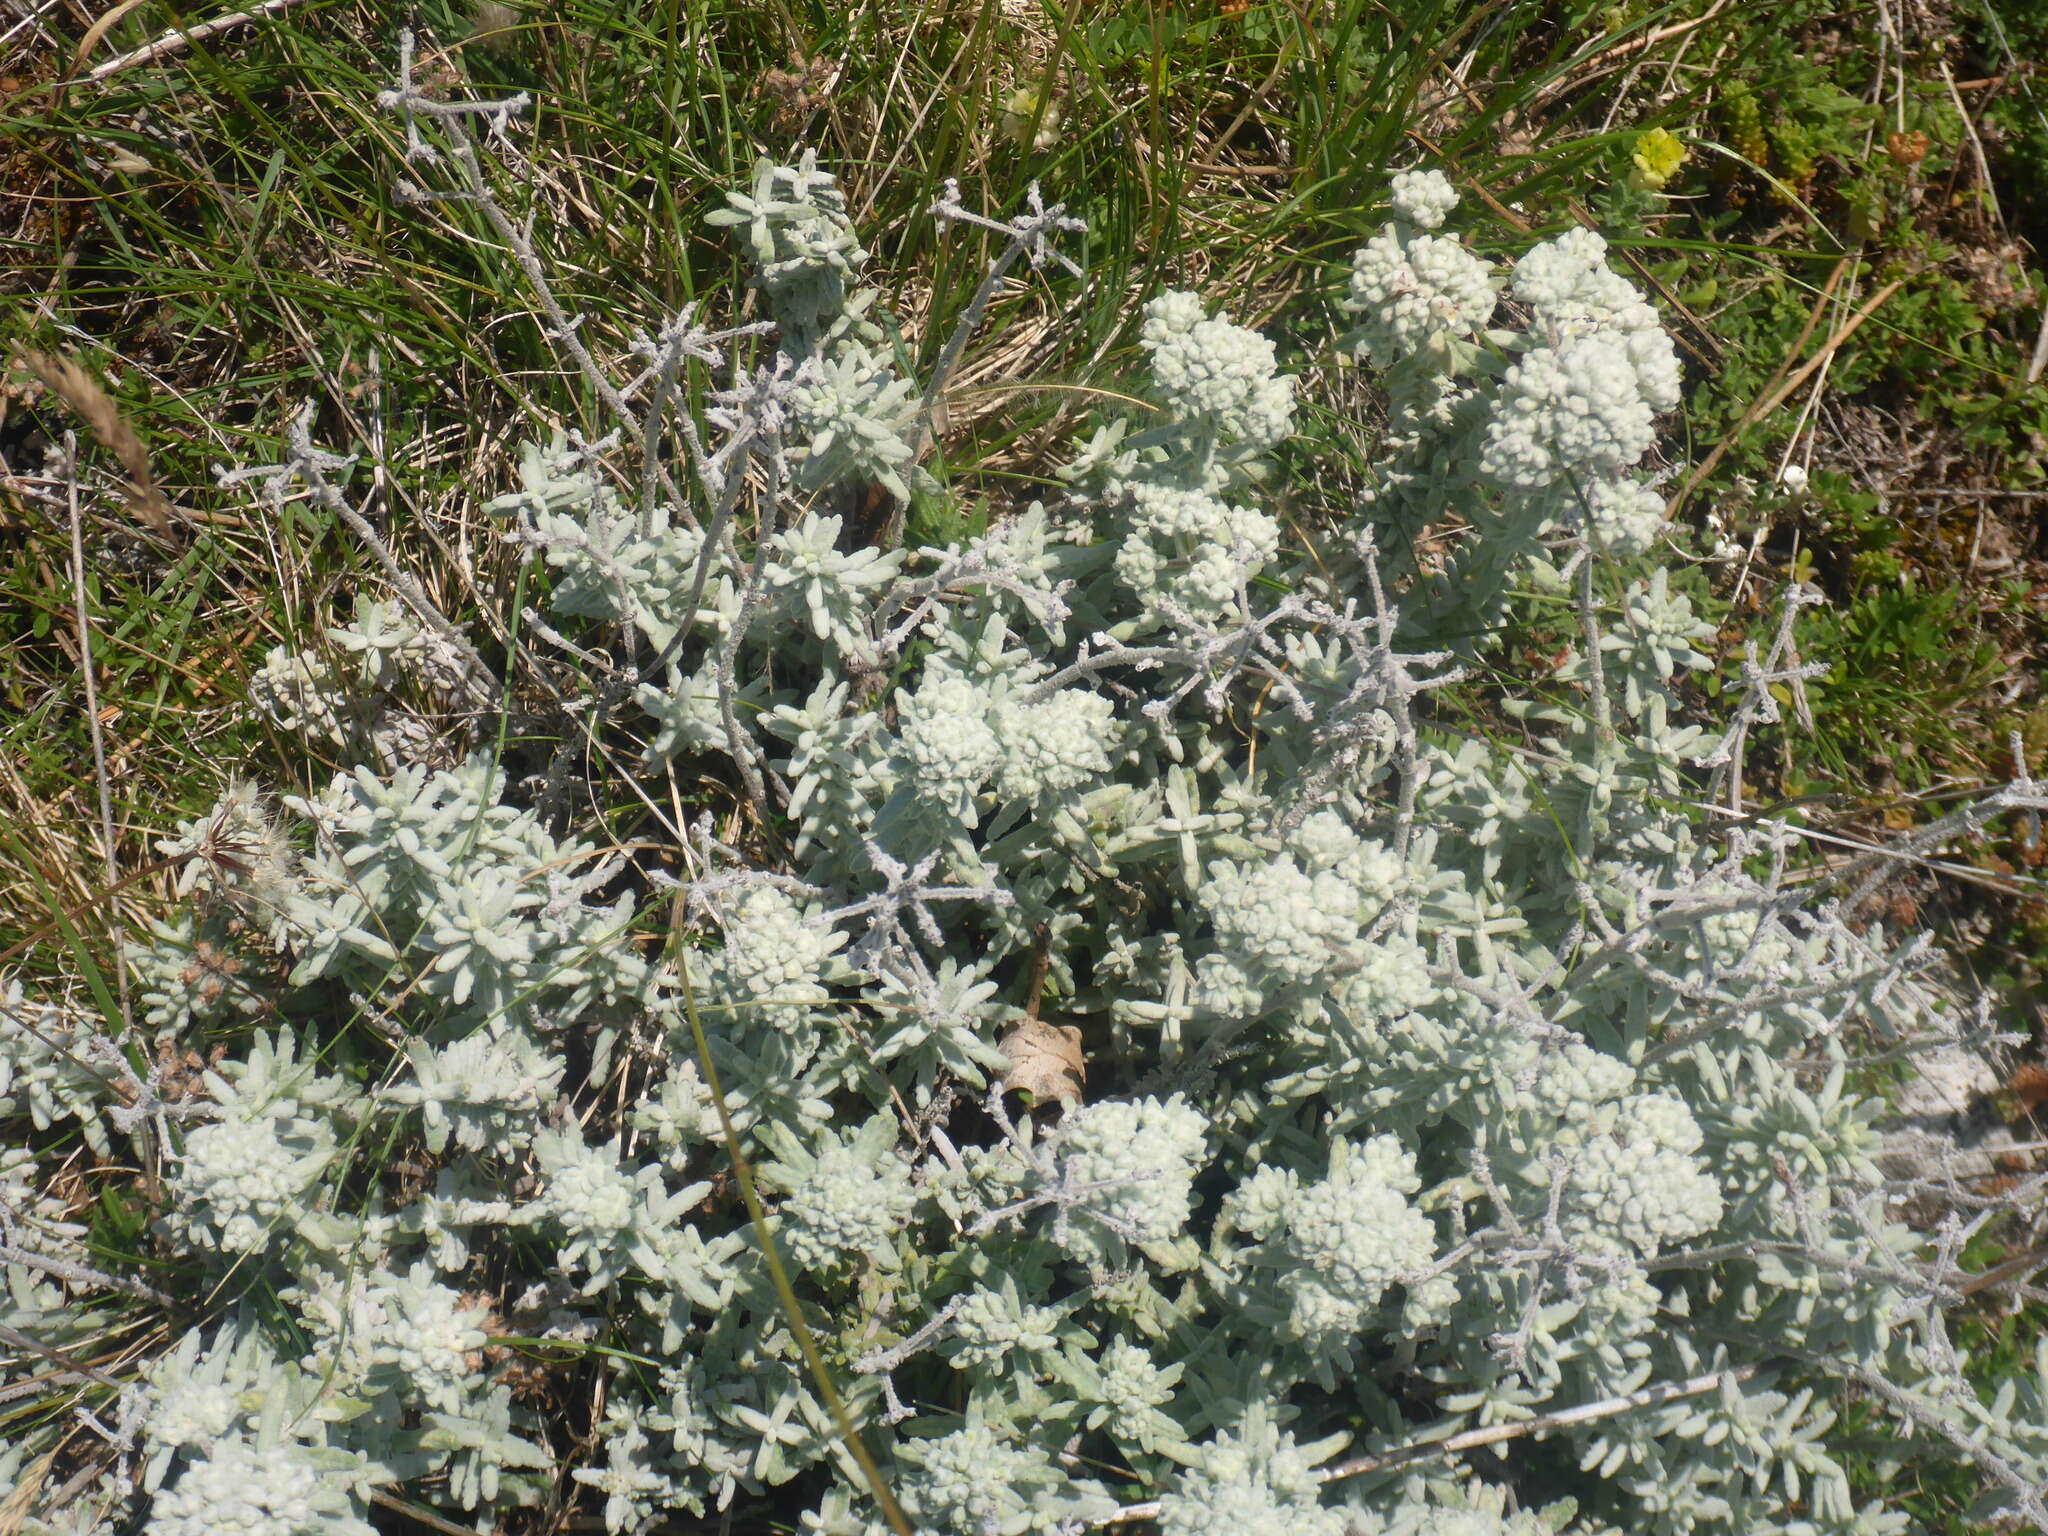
[1846, 233]
[1133, 1030]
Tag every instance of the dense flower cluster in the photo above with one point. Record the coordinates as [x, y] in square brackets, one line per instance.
[1191, 546]
[1254, 1481]
[239, 1490]
[1423, 197]
[1161, 1048]
[1577, 409]
[1414, 292]
[1131, 1165]
[848, 1199]
[239, 1178]
[1332, 1248]
[1210, 371]
[1636, 1181]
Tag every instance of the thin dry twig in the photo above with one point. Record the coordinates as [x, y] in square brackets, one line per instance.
[1493, 1434]
[108, 20]
[1771, 399]
[1609, 59]
[1833, 343]
[1999, 1274]
[180, 37]
[422, 1514]
[15, 1508]
[80, 607]
[81, 1274]
[20, 1340]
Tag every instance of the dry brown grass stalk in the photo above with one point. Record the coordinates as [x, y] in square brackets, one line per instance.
[71, 382]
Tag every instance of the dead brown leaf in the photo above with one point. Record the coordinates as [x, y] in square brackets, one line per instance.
[2029, 1087]
[1045, 1060]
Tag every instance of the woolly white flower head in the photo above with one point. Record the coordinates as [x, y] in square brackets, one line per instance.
[1742, 938]
[1575, 409]
[240, 1178]
[1627, 516]
[1655, 361]
[239, 1490]
[946, 737]
[1390, 978]
[977, 1481]
[1638, 1183]
[196, 1411]
[1343, 1240]
[1475, 1511]
[1424, 197]
[1209, 368]
[1325, 841]
[1410, 292]
[772, 953]
[1251, 1481]
[1572, 1080]
[990, 1324]
[1572, 292]
[1054, 746]
[1277, 921]
[854, 1198]
[1133, 1383]
[1191, 546]
[1143, 1154]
